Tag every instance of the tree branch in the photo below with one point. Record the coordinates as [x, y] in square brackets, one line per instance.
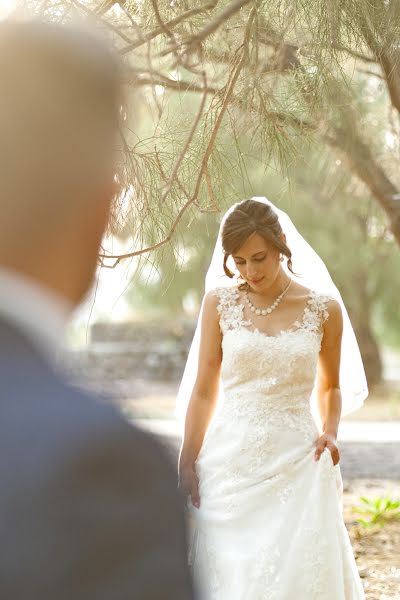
[389, 61]
[98, 17]
[356, 153]
[355, 54]
[360, 160]
[104, 7]
[159, 30]
[204, 164]
[212, 26]
[172, 84]
[161, 23]
[188, 142]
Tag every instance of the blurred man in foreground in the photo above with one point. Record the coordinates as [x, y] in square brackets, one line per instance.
[88, 504]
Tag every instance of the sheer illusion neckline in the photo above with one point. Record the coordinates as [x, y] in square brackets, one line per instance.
[297, 325]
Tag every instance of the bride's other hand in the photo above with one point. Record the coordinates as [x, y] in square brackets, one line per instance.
[204, 397]
[328, 382]
[189, 484]
[327, 441]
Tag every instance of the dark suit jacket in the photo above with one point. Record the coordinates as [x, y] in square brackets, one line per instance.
[88, 503]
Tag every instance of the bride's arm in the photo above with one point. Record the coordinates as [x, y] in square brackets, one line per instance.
[204, 395]
[328, 389]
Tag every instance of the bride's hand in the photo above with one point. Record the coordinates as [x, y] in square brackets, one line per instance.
[327, 441]
[189, 484]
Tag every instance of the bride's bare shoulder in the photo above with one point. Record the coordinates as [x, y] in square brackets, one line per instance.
[211, 298]
[300, 291]
[211, 311]
[327, 302]
[211, 301]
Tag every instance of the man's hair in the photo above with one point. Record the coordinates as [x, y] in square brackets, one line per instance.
[60, 99]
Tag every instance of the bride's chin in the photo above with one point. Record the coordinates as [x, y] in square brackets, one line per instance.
[259, 286]
[260, 281]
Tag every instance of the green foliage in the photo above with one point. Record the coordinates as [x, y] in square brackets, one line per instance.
[377, 511]
[177, 271]
[334, 212]
[298, 100]
[211, 82]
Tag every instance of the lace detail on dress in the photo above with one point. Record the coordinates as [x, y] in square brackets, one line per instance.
[231, 313]
[229, 309]
[315, 550]
[316, 313]
[266, 571]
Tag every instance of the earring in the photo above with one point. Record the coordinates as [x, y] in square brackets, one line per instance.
[281, 257]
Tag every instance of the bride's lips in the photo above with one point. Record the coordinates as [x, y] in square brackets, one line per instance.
[255, 281]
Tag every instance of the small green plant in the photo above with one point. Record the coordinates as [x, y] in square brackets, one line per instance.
[377, 511]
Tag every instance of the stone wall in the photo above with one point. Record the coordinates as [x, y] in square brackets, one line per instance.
[120, 351]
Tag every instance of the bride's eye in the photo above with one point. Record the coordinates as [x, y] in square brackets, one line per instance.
[261, 259]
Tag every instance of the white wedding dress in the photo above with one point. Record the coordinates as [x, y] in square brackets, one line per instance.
[270, 524]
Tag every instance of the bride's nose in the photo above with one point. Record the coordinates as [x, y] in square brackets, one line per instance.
[251, 273]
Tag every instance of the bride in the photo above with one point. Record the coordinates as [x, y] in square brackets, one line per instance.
[273, 365]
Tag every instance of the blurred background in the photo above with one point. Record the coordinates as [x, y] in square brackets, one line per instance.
[299, 102]
[132, 337]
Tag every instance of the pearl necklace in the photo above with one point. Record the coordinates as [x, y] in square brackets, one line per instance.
[266, 311]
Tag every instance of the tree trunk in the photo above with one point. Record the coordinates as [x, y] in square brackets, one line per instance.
[361, 162]
[370, 354]
[348, 141]
[360, 314]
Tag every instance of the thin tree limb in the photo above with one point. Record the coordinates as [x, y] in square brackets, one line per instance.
[231, 9]
[172, 84]
[161, 23]
[207, 154]
[355, 54]
[99, 18]
[187, 143]
[158, 31]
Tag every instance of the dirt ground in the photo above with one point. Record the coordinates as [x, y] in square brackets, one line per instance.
[377, 550]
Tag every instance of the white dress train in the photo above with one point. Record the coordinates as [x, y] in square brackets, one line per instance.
[270, 523]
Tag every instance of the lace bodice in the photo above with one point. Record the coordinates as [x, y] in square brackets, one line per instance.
[231, 312]
[282, 365]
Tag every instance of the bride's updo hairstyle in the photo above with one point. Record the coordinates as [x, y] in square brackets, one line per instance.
[248, 217]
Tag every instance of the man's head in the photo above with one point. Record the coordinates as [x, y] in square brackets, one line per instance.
[60, 102]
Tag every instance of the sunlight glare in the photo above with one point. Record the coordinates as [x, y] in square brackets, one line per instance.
[6, 8]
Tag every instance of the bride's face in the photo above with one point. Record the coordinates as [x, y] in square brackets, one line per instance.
[258, 262]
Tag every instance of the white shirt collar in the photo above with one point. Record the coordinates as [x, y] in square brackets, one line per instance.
[36, 310]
